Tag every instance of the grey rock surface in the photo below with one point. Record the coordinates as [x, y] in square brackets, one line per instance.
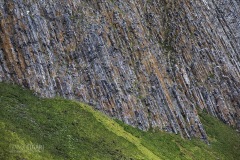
[151, 64]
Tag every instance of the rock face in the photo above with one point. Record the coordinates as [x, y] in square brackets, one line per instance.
[151, 64]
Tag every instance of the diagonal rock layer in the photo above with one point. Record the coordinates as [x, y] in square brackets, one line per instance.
[149, 63]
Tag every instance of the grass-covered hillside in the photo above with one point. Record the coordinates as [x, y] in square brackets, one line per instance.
[32, 128]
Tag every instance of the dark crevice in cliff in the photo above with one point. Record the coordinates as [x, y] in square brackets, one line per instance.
[149, 63]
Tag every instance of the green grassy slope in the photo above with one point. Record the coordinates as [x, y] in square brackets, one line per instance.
[34, 128]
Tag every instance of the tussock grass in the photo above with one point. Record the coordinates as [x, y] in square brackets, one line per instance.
[35, 128]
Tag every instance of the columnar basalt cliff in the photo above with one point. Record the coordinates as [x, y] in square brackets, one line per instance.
[150, 63]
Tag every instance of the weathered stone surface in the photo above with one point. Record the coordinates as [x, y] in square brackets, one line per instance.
[148, 63]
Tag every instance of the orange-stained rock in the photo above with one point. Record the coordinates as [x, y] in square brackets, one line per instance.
[147, 63]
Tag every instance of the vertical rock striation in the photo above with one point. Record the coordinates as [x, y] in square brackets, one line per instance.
[151, 64]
